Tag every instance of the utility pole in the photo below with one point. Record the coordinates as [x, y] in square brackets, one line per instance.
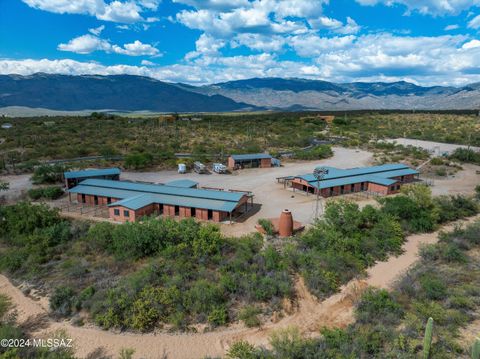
[319, 173]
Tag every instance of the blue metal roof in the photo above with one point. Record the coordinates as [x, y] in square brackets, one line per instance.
[252, 156]
[137, 195]
[146, 199]
[343, 181]
[334, 172]
[376, 174]
[183, 183]
[92, 173]
[164, 189]
[102, 191]
[397, 173]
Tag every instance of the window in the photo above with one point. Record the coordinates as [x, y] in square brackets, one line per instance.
[126, 213]
[116, 212]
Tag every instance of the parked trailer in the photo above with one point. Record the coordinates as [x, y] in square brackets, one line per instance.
[182, 168]
[199, 167]
[219, 168]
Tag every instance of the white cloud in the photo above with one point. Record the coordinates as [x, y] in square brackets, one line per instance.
[88, 43]
[432, 7]
[474, 23]
[312, 45]
[125, 12]
[128, 11]
[326, 23]
[451, 27]
[148, 63]
[136, 48]
[445, 60]
[85, 44]
[226, 19]
[471, 44]
[259, 42]
[97, 30]
[221, 5]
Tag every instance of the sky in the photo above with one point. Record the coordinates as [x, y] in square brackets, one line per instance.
[427, 42]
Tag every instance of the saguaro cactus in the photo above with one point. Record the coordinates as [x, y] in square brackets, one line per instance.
[427, 339]
[476, 349]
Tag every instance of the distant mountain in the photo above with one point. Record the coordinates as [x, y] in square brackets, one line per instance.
[136, 93]
[118, 92]
[293, 93]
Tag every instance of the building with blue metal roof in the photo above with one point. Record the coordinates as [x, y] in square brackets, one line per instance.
[252, 160]
[73, 178]
[128, 201]
[383, 179]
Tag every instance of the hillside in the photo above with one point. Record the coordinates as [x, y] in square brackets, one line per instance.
[118, 92]
[298, 94]
[135, 93]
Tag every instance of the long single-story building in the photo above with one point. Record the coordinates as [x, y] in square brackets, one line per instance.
[73, 178]
[254, 160]
[129, 201]
[384, 179]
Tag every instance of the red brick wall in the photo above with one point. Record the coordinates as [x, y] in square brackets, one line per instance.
[121, 217]
[145, 211]
[185, 212]
[219, 216]
[202, 214]
[169, 211]
[231, 162]
[377, 188]
[265, 162]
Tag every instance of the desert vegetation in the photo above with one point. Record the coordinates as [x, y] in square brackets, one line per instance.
[10, 330]
[442, 289]
[145, 142]
[178, 274]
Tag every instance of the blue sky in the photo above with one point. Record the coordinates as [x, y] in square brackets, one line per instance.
[428, 42]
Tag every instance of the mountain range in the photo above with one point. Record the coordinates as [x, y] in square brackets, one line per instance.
[137, 93]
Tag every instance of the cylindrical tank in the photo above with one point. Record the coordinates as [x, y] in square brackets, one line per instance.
[285, 224]
[182, 168]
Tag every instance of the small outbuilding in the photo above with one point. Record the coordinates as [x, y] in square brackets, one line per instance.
[254, 160]
[73, 178]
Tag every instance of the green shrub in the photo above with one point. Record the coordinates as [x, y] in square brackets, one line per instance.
[62, 300]
[48, 174]
[100, 236]
[316, 153]
[287, 343]
[5, 306]
[249, 316]
[267, 226]
[377, 305]
[241, 350]
[138, 160]
[45, 193]
[466, 155]
[433, 287]
[441, 172]
[437, 161]
[218, 316]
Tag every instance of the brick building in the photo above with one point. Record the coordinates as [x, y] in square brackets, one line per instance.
[253, 160]
[384, 180]
[129, 201]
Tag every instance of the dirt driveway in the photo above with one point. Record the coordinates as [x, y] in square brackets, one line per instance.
[262, 182]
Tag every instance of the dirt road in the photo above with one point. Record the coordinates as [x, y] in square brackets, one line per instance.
[309, 315]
